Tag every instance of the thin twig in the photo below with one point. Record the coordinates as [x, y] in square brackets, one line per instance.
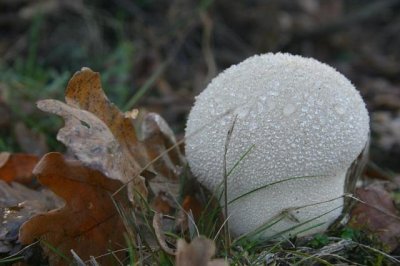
[157, 226]
[21, 251]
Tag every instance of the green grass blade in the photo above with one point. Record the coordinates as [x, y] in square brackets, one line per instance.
[268, 185]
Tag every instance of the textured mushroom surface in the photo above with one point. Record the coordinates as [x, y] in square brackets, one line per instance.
[306, 124]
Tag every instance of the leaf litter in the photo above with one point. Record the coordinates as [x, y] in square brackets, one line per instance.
[103, 137]
[17, 167]
[375, 212]
[199, 252]
[18, 204]
[116, 164]
[19, 198]
[119, 157]
[88, 223]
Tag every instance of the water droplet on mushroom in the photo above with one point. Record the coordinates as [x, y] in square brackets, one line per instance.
[271, 106]
[304, 109]
[211, 106]
[289, 109]
[260, 107]
[339, 109]
[273, 93]
[243, 112]
[277, 84]
[253, 126]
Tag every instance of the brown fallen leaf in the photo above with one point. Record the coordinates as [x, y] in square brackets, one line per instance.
[88, 223]
[164, 156]
[104, 138]
[192, 204]
[163, 204]
[91, 141]
[17, 167]
[17, 204]
[84, 91]
[198, 253]
[150, 152]
[376, 213]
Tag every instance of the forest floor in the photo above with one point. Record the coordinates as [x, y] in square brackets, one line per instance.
[156, 56]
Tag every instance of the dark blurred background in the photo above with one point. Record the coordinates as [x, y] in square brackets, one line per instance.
[157, 55]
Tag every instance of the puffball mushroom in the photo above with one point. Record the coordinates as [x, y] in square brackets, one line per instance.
[304, 124]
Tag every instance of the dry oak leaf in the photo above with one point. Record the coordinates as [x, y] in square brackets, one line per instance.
[198, 253]
[91, 141]
[84, 91]
[377, 213]
[103, 137]
[17, 167]
[89, 222]
[164, 154]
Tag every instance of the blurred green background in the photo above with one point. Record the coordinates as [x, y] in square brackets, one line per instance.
[157, 55]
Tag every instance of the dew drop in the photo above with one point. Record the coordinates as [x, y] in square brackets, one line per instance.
[277, 84]
[271, 106]
[339, 109]
[273, 93]
[289, 109]
[304, 109]
[260, 107]
[253, 126]
[243, 112]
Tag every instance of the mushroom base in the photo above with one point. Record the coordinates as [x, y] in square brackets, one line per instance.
[282, 210]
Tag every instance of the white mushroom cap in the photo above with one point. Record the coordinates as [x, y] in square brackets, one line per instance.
[304, 119]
